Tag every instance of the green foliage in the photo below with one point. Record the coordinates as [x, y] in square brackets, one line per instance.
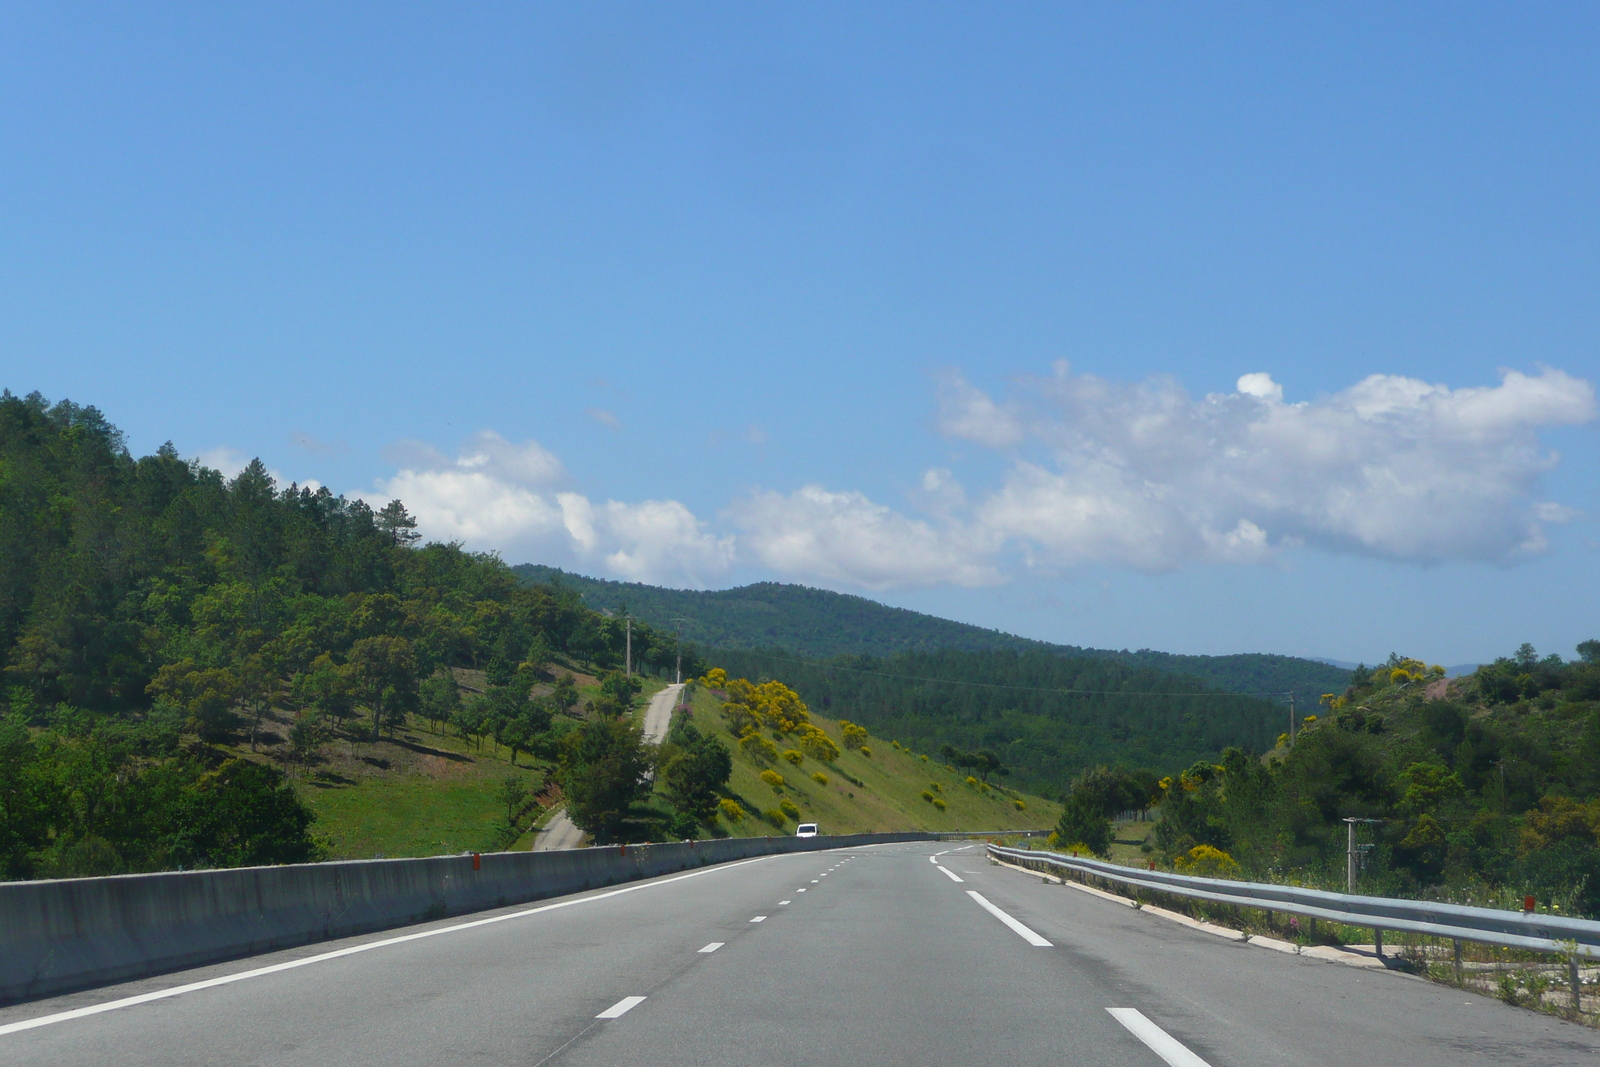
[1040, 716]
[792, 755]
[603, 773]
[93, 795]
[694, 768]
[772, 778]
[789, 808]
[815, 623]
[819, 778]
[758, 749]
[730, 810]
[155, 589]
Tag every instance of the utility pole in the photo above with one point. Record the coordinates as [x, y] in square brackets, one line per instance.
[1350, 856]
[1354, 854]
[628, 661]
[677, 624]
[1291, 719]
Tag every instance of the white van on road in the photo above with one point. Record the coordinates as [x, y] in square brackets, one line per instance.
[806, 829]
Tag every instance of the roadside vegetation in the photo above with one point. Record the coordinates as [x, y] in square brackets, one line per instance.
[1482, 789]
[791, 765]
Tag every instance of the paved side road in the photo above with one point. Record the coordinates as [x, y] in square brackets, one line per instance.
[907, 954]
[559, 832]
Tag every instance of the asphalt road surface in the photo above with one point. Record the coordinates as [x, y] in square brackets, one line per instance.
[560, 832]
[855, 958]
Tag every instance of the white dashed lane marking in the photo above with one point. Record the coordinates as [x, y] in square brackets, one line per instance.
[713, 946]
[759, 919]
[1021, 931]
[1161, 1043]
[621, 1008]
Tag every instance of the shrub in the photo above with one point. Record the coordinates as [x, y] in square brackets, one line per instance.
[775, 817]
[772, 778]
[865, 751]
[731, 810]
[790, 808]
[1206, 861]
[896, 744]
[760, 751]
[854, 736]
[941, 805]
[793, 756]
[936, 787]
[819, 746]
[924, 759]
[972, 782]
[927, 795]
[819, 778]
[1020, 806]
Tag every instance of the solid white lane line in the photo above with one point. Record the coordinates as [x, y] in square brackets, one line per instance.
[759, 919]
[954, 877]
[1161, 1043]
[934, 859]
[1021, 931]
[289, 965]
[713, 946]
[621, 1008]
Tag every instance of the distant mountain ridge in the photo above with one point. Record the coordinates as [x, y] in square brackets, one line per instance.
[822, 624]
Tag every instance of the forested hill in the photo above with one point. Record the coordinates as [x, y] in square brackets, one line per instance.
[1045, 716]
[819, 624]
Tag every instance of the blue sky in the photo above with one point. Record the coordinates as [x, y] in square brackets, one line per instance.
[1243, 328]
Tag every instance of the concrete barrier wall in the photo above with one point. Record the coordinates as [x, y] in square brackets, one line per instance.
[72, 933]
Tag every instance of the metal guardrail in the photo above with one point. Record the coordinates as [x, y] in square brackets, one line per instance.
[1513, 929]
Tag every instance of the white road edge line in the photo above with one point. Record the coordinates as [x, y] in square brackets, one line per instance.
[289, 965]
[1161, 1043]
[954, 877]
[621, 1008]
[713, 946]
[1021, 931]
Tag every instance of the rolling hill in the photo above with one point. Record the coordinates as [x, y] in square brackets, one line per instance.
[819, 624]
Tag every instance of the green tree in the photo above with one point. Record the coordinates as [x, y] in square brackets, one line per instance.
[438, 697]
[603, 772]
[385, 675]
[694, 769]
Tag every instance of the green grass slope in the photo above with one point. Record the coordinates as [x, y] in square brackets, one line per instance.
[865, 794]
[817, 623]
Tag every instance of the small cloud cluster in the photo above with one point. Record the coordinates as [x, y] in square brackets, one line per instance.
[512, 498]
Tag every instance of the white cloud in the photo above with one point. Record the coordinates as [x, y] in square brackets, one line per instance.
[1143, 475]
[604, 418]
[1134, 474]
[500, 496]
[845, 537]
[663, 537]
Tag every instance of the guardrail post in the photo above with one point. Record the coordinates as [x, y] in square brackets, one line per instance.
[1456, 941]
[1377, 940]
[1577, 982]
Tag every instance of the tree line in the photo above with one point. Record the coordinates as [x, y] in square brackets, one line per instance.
[152, 609]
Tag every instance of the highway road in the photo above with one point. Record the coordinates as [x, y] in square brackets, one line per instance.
[560, 832]
[859, 957]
